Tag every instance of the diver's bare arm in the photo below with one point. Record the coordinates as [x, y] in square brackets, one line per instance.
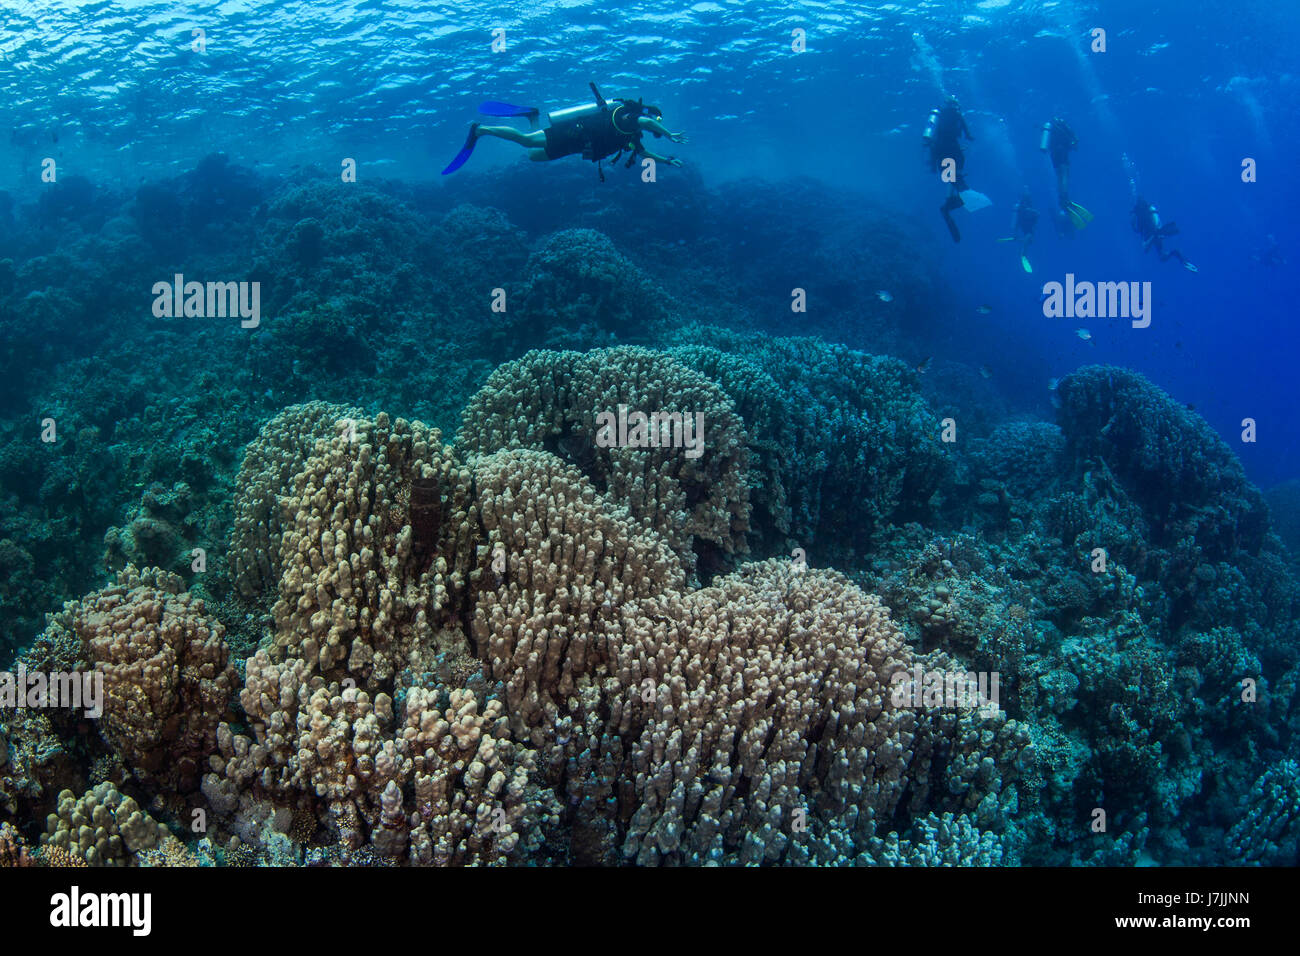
[654, 126]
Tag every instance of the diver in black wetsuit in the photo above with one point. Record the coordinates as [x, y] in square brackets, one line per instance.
[1026, 219]
[942, 138]
[594, 131]
[1145, 219]
[1023, 223]
[1058, 142]
[1271, 255]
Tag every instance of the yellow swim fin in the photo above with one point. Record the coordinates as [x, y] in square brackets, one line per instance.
[1024, 264]
[1079, 217]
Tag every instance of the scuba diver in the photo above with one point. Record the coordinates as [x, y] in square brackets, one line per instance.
[594, 130]
[942, 137]
[1271, 255]
[1146, 223]
[1057, 141]
[1023, 224]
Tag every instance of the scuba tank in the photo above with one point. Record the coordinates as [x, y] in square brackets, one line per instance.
[584, 111]
[1046, 141]
[930, 125]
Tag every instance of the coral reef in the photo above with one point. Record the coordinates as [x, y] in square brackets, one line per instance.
[698, 499]
[578, 278]
[848, 433]
[103, 828]
[167, 680]
[355, 644]
[1269, 834]
[269, 461]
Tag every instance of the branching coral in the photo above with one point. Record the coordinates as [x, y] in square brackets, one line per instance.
[773, 735]
[855, 445]
[578, 277]
[378, 549]
[103, 828]
[166, 676]
[276, 455]
[435, 783]
[697, 499]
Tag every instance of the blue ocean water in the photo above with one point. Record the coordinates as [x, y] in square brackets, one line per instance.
[1182, 94]
[145, 140]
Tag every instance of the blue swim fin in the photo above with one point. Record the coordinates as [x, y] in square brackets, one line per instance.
[496, 108]
[465, 151]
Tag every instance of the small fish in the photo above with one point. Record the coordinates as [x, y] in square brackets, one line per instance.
[922, 365]
[984, 309]
[1083, 334]
[986, 371]
[1191, 407]
[1052, 383]
[884, 296]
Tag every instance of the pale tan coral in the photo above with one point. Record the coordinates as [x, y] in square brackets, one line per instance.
[568, 562]
[442, 785]
[167, 680]
[551, 400]
[771, 735]
[102, 827]
[270, 461]
[366, 581]
[746, 722]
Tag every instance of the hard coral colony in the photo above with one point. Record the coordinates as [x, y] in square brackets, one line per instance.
[525, 646]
